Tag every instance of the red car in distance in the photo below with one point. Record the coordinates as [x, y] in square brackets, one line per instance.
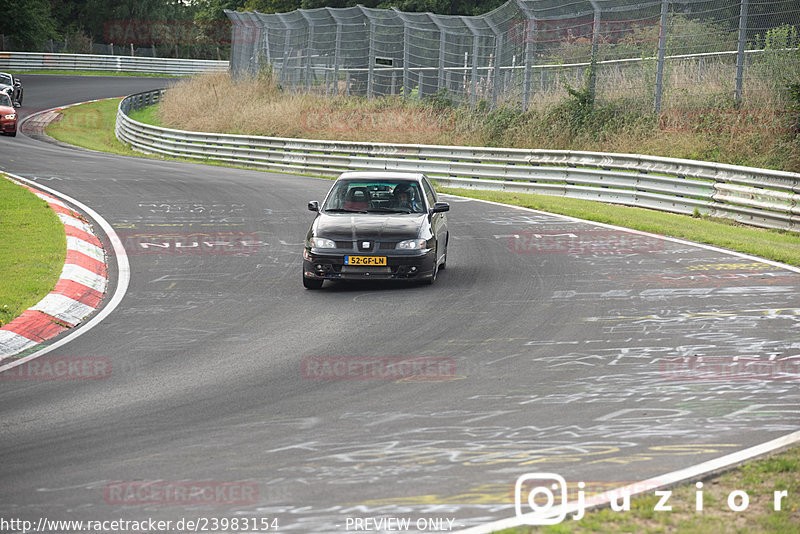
[8, 116]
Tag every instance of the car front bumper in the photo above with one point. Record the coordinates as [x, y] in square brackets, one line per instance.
[414, 265]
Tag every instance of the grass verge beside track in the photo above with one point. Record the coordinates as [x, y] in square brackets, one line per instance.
[759, 479]
[32, 249]
[90, 126]
[771, 244]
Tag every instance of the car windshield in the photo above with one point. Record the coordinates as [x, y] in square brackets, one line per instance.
[4, 100]
[5, 79]
[375, 196]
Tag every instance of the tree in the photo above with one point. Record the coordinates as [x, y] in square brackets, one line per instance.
[27, 23]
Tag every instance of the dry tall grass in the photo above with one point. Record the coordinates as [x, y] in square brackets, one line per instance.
[215, 103]
[698, 121]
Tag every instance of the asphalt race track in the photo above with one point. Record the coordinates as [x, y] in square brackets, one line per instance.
[558, 346]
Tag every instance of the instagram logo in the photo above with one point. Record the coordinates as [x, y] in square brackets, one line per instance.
[543, 490]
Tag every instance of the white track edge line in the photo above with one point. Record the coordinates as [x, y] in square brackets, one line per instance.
[641, 232]
[674, 477]
[123, 276]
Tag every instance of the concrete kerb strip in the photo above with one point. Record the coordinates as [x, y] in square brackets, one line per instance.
[77, 293]
[80, 289]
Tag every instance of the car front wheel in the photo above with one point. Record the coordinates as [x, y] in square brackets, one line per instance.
[430, 281]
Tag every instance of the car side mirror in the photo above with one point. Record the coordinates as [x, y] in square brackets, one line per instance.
[17, 83]
[313, 205]
[441, 207]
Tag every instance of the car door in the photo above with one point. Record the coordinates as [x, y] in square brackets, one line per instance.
[438, 220]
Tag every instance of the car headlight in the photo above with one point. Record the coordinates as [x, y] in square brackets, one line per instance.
[11, 116]
[321, 242]
[412, 244]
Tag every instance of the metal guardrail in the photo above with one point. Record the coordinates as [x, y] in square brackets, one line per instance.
[20, 61]
[760, 197]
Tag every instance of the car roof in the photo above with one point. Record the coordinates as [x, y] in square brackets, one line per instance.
[381, 175]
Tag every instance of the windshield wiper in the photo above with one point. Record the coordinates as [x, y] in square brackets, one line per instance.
[343, 210]
[390, 210]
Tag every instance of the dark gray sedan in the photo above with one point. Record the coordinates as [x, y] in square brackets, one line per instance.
[377, 226]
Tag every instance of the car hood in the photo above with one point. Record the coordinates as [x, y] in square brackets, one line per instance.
[5, 110]
[375, 226]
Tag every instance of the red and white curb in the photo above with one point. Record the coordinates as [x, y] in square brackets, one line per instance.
[77, 294]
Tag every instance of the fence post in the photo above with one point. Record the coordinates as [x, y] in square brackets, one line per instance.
[406, 58]
[526, 91]
[737, 93]
[371, 66]
[662, 47]
[337, 58]
[440, 84]
[595, 36]
[309, 48]
[473, 93]
[287, 36]
[498, 57]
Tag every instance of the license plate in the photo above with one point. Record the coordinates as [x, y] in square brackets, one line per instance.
[365, 260]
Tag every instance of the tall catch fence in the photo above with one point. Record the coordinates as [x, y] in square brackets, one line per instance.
[652, 54]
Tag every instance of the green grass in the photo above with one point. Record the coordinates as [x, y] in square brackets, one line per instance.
[771, 244]
[759, 479]
[147, 115]
[32, 249]
[90, 126]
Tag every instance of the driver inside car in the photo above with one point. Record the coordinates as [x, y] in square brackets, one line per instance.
[404, 198]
